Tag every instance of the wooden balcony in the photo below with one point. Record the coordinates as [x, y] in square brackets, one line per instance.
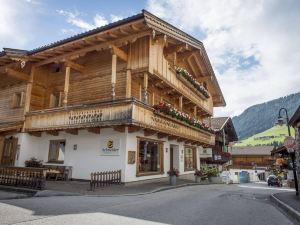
[184, 88]
[127, 112]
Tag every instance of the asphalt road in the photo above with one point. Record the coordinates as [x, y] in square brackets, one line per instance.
[206, 204]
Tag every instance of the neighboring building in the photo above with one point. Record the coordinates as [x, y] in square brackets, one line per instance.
[257, 157]
[86, 102]
[225, 136]
[295, 122]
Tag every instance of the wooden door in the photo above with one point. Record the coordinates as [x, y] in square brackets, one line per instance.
[171, 158]
[9, 152]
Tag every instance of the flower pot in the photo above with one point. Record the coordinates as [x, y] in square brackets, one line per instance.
[215, 180]
[197, 179]
[173, 180]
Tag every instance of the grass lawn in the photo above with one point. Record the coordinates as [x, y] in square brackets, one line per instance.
[267, 137]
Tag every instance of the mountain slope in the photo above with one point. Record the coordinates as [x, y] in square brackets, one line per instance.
[258, 118]
[273, 136]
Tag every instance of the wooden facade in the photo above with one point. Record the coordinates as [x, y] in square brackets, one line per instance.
[110, 77]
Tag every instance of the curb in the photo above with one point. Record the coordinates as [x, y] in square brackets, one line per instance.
[150, 192]
[286, 208]
[46, 193]
[18, 189]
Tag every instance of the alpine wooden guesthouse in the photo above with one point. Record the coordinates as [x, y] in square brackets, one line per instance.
[129, 96]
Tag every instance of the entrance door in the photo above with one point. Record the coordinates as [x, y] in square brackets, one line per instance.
[171, 157]
[9, 151]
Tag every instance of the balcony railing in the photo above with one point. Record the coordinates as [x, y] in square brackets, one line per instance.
[178, 83]
[114, 113]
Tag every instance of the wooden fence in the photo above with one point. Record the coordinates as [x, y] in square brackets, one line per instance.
[23, 177]
[100, 179]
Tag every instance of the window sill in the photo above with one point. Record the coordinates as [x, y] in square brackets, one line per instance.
[56, 162]
[149, 174]
[188, 170]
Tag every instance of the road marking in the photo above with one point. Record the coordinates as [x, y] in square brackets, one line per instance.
[266, 188]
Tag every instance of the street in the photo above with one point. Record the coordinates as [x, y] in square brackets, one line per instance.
[200, 204]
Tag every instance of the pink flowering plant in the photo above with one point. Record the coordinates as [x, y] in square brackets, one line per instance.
[170, 110]
[184, 73]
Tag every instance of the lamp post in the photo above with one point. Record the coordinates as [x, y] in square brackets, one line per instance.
[290, 150]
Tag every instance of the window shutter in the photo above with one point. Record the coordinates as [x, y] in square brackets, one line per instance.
[22, 100]
[51, 101]
[61, 94]
[13, 100]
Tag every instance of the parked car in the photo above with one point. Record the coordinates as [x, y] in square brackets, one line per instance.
[274, 181]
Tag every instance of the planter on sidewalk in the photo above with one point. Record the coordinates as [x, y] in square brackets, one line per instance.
[215, 180]
[173, 174]
[173, 180]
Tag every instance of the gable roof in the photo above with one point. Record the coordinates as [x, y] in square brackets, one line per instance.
[220, 123]
[149, 20]
[217, 123]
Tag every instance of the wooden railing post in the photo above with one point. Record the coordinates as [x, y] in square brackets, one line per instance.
[145, 88]
[180, 103]
[113, 75]
[66, 88]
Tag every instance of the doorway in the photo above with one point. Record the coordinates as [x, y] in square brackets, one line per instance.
[9, 151]
[174, 157]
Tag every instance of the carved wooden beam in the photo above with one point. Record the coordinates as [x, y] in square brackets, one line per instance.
[134, 27]
[17, 74]
[161, 135]
[112, 35]
[174, 48]
[53, 132]
[148, 132]
[198, 63]
[95, 130]
[72, 131]
[180, 139]
[170, 138]
[132, 129]
[101, 38]
[188, 142]
[74, 66]
[36, 133]
[119, 52]
[120, 129]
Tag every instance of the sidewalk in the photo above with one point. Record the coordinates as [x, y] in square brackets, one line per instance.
[54, 188]
[75, 188]
[289, 202]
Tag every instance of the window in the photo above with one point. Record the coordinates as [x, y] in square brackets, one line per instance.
[17, 100]
[55, 99]
[189, 158]
[57, 151]
[149, 157]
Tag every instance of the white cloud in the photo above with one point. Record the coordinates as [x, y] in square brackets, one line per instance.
[265, 31]
[74, 18]
[115, 18]
[16, 22]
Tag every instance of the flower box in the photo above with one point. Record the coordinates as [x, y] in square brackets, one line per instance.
[171, 111]
[189, 78]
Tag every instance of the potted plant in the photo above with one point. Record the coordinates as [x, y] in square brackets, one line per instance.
[173, 174]
[212, 174]
[33, 162]
[200, 175]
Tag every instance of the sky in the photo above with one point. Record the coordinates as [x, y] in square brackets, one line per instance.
[253, 45]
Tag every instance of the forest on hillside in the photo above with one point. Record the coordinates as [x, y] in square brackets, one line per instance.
[261, 117]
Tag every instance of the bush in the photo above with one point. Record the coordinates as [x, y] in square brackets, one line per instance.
[33, 162]
[173, 172]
